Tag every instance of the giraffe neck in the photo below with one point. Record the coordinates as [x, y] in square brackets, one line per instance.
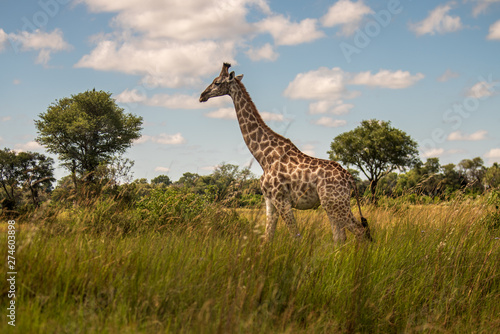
[265, 145]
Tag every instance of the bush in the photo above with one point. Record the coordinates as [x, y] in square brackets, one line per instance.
[174, 207]
[171, 206]
[492, 220]
[250, 200]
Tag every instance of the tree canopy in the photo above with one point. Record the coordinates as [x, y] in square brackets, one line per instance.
[24, 170]
[376, 149]
[86, 130]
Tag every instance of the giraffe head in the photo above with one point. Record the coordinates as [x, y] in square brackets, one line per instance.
[221, 85]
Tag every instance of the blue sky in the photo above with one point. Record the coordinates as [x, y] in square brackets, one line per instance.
[314, 69]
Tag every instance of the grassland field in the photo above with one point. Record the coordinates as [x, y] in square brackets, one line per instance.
[430, 269]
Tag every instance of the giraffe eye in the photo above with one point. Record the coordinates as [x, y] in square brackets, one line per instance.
[217, 83]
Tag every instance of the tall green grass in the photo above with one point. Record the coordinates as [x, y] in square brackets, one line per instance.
[431, 268]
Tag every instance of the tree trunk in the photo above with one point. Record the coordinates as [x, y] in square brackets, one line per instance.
[373, 189]
[34, 196]
[6, 191]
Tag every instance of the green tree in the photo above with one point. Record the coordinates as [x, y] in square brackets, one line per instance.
[115, 171]
[25, 170]
[188, 180]
[226, 179]
[429, 178]
[9, 173]
[37, 172]
[376, 149]
[452, 179]
[473, 170]
[87, 130]
[162, 179]
[492, 176]
[388, 184]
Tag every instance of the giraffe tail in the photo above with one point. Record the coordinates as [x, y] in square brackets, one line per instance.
[356, 193]
[364, 221]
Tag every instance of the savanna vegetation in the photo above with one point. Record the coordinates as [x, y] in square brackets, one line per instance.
[99, 252]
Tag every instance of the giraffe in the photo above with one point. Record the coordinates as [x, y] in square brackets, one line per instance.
[291, 178]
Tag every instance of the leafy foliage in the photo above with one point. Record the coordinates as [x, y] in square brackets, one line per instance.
[492, 176]
[162, 179]
[171, 206]
[86, 130]
[376, 149]
[227, 184]
[24, 170]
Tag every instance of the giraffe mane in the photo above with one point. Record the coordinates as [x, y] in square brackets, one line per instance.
[260, 120]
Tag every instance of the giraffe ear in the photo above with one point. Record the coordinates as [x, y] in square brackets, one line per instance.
[239, 77]
[231, 76]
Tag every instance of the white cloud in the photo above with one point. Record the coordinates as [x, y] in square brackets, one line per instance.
[330, 122]
[494, 31]
[39, 40]
[45, 43]
[175, 101]
[336, 107]
[476, 136]
[438, 152]
[142, 139]
[191, 20]
[493, 154]
[272, 117]
[178, 44]
[16, 81]
[223, 113]
[286, 32]
[165, 139]
[433, 153]
[3, 39]
[386, 79]
[482, 6]
[329, 87]
[29, 146]
[438, 21]
[448, 75]
[162, 139]
[347, 14]
[482, 89]
[266, 52]
[5, 118]
[230, 113]
[131, 96]
[161, 63]
[320, 84]
[162, 169]
[330, 84]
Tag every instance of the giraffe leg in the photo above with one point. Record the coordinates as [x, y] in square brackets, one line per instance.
[271, 219]
[284, 208]
[338, 230]
[338, 225]
[336, 214]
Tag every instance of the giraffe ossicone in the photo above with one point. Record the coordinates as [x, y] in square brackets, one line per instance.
[291, 178]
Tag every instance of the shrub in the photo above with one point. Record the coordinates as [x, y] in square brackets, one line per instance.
[174, 207]
[171, 206]
[492, 220]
